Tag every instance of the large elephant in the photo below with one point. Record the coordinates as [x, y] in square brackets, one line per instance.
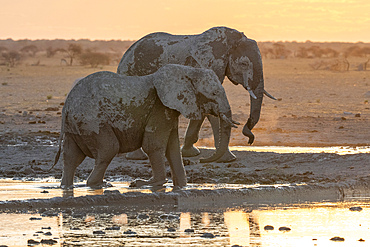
[107, 113]
[226, 51]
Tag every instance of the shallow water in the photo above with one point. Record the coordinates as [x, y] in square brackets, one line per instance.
[49, 188]
[341, 150]
[306, 224]
[309, 224]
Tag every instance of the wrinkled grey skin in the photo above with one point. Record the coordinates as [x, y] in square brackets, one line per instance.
[226, 51]
[106, 113]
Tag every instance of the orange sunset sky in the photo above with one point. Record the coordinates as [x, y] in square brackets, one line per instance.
[262, 20]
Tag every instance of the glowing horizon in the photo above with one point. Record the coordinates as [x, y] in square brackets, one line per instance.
[262, 20]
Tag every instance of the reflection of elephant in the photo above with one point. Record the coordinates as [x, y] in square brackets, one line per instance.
[225, 51]
[106, 113]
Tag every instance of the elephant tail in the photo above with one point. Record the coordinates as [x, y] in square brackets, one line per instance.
[57, 156]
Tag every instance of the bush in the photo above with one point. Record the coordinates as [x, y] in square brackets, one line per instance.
[11, 58]
[94, 59]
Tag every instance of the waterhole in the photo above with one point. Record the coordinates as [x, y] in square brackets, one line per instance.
[313, 224]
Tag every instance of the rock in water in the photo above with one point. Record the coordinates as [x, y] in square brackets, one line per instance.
[337, 239]
[207, 235]
[268, 228]
[284, 229]
[355, 209]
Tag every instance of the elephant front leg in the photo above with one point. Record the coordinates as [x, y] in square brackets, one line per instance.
[173, 155]
[191, 137]
[157, 161]
[215, 123]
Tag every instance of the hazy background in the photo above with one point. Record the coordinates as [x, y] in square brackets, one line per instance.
[262, 20]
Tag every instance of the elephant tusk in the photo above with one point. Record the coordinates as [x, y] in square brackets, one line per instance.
[235, 122]
[251, 93]
[269, 95]
[230, 122]
[245, 77]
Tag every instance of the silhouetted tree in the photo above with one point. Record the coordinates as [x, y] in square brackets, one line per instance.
[2, 49]
[280, 51]
[94, 59]
[302, 52]
[30, 49]
[354, 50]
[73, 51]
[11, 57]
[329, 52]
[50, 52]
[315, 51]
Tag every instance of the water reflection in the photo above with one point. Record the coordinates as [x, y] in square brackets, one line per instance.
[237, 223]
[18, 229]
[282, 149]
[205, 219]
[20, 190]
[185, 223]
[120, 219]
[306, 224]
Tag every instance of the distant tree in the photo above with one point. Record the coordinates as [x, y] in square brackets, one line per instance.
[94, 59]
[30, 49]
[2, 49]
[329, 52]
[73, 51]
[11, 57]
[315, 51]
[302, 52]
[280, 51]
[366, 51]
[354, 50]
[50, 52]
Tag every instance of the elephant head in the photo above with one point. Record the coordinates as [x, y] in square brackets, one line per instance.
[244, 66]
[195, 92]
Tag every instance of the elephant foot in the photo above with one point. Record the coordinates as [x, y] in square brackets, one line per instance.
[95, 186]
[141, 182]
[177, 188]
[66, 187]
[189, 151]
[137, 155]
[227, 157]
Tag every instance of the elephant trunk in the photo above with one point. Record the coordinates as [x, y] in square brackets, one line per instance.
[255, 111]
[225, 132]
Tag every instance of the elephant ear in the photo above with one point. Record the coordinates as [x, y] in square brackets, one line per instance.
[179, 94]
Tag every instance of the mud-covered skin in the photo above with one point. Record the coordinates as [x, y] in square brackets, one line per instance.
[226, 51]
[106, 113]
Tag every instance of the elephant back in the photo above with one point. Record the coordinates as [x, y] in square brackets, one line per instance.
[206, 50]
[106, 98]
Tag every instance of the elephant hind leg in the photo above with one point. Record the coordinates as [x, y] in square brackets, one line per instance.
[73, 157]
[108, 147]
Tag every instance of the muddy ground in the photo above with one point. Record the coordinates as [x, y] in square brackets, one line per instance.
[315, 108]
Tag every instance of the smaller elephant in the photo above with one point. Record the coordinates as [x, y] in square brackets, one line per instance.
[107, 113]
